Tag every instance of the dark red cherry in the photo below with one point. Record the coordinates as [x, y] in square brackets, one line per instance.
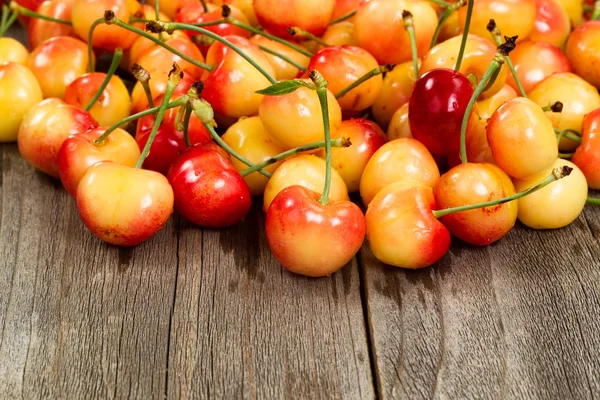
[437, 107]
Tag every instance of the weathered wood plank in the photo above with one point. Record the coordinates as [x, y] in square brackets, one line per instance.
[78, 318]
[245, 328]
[518, 319]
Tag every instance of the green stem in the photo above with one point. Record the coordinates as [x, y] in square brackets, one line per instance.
[174, 78]
[111, 71]
[211, 23]
[90, 52]
[143, 77]
[186, 125]
[343, 17]
[557, 173]
[341, 142]
[495, 65]
[497, 36]
[447, 13]
[465, 35]
[157, 9]
[565, 133]
[8, 22]
[5, 14]
[409, 26]
[204, 5]
[441, 3]
[32, 14]
[596, 13]
[321, 85]
[256, 31]
[177, 103]
[364, 78]
[158, 26]
[593, 201]
[284, 58]
[295, 31]
[148, 36]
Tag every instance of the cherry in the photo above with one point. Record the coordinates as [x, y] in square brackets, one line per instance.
[245, 6]
[171, 7]
[399, 126]
[396, 89]
[39, 30]
[340, 34]
[19, 92]
[552, 23]
[157, 85]
[283, 69]
[487, 106]
[78, 153]
[581, 50]
[587, 155]
[209, 191]
[11, 50]
[121, 205]
[574, 10]
[437, 107]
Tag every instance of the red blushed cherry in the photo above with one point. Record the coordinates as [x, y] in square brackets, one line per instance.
[195, 14]
[310, 238]
[401, 228]
[39, 30]
[209, 191]
[552, 23]
[169, 142]
[78, 153]
[582, 51]
[437, 107]
[587, 155]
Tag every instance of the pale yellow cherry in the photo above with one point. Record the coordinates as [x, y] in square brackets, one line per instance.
[11, 50]
[339, 34]
[486, 107]
[249, 138]
[295, 119]
[574, 10]
[556, 205]
[305, 170]
[19, 92]
[398, 160]
[396, 89]
[399, 126]
[578, 98]
[283, 69]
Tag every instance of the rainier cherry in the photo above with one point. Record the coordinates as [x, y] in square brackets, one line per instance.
[39, 30]
[582, 51]
[587, 155]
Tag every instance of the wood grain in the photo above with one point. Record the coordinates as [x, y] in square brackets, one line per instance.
[518, 319]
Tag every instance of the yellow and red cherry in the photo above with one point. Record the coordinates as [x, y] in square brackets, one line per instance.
[231, 86]
[19, 92]
[169, 142]
[344, 8]
[158, 86]
[582, 51]
[522, 138]
[401, 228]
[437, 107]
[552, 23]
[478, 55]
[195, 14]
[487, 106]
[535, 61]
[341, 66]
[350, 162]
[295, 119]
[514, 17]
[378, 28]
[114, 103]
[208, 190]
[44, 129]
[556, 205]
[40, 30]
[396, 88]
[245, 6]
[121, 205]
[399, 126]
[277, 16]
[473, 183]
[11, 50]
[398, 160]
[305, 170]
[574, 10]
[283, 69]
[250, 139]
[587, 155]
[170, 8]
[78, 153]
[106, 37]
[310, 238]
[478, 149]
[339, 34]
[577, 96]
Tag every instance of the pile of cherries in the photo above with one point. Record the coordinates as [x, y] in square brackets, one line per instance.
[448, 118]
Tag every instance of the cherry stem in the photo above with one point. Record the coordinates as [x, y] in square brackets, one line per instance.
[90, 34]
[157, 9]
[567, 133]
[204, 5]
[209, 23]
[492, 70]
[497, 36]
[297, 32]
[463, 42]
[100, 141]
[109, 74]
[441, 3]
[438, 29]
[29, 13]
[340, 142]
[232, 20]
[596, 12]
[374, 72]
[321, 85]
[143, 77]
[593, 201]
[555, 107]
[409, 26]
[170, 27]
[8, 19]
[174, 77]
[284, 58]
[343, 17]
[111, 18]
[186, 124]
[556, 174]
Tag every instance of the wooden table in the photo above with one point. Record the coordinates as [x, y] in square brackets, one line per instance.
[199, 313]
